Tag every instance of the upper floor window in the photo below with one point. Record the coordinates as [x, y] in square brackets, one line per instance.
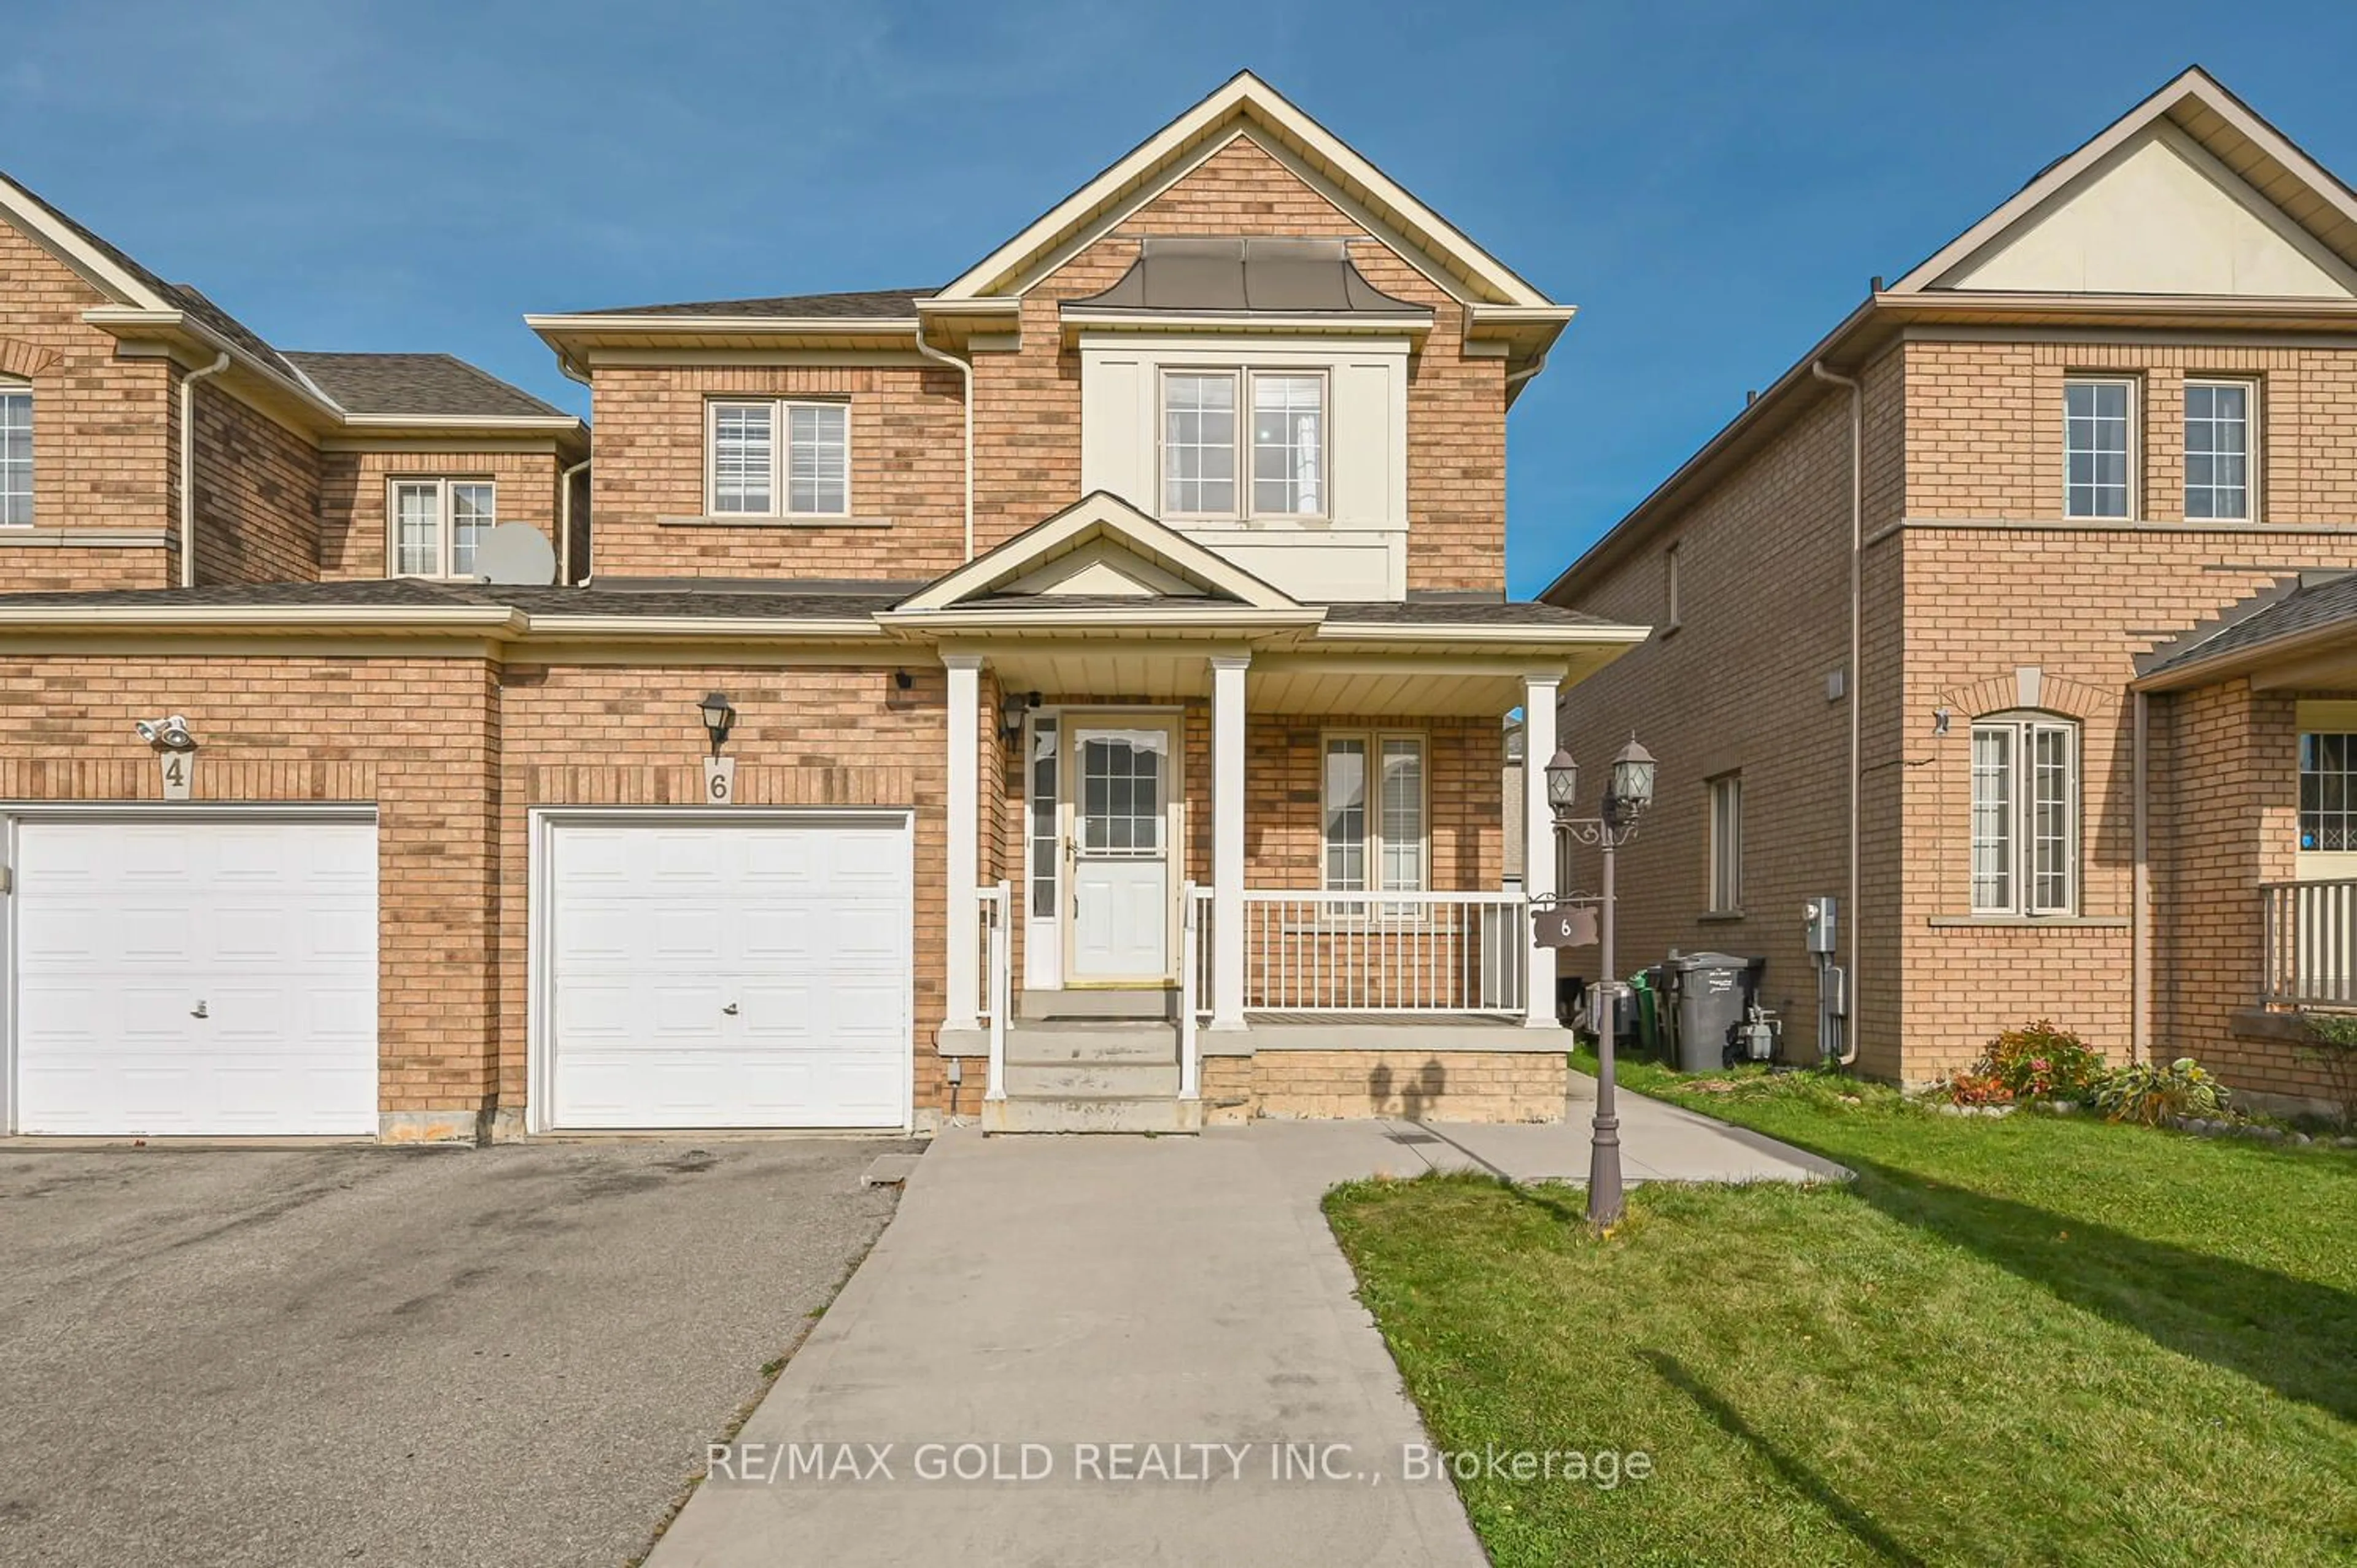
[777, 451]
[16, 453]
[436, 524]
[1216, 466]
[2097, 450]
[2025, 815]
[2218, 450]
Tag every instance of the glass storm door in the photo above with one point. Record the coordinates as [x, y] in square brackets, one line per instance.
[1119, 850]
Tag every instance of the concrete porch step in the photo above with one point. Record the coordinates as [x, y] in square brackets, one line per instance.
[1155, 1004]
[1055, 1079]
[1115, 1040]
[1130, 1113]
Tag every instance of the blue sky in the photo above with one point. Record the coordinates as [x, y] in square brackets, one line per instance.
[1713, 182]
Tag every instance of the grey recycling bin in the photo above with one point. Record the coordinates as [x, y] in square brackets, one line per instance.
[1705, 1000]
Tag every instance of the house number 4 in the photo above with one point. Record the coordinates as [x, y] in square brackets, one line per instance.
[179, 774]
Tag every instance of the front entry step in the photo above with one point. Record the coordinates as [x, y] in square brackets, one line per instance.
[1152, 1002]
[1092, 1113]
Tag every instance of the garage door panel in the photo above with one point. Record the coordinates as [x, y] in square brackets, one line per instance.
[124, 927]
[655, 930]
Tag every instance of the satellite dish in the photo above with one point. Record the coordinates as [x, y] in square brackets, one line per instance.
[515, 555]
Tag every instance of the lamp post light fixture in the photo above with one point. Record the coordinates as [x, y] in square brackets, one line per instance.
[1627, 794]
[719, 719]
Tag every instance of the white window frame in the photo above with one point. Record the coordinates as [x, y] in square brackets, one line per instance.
[11, 387]
[1244, 377]
[445, 535]
[782, 445]
[2024, 895]
[1372, 839]
[2132, 478]
[1724, 798]
[2249, 387]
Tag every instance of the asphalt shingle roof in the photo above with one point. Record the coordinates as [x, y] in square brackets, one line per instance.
[783, 600]
[2283, 610]
[878, 303]
[427, 384]
[1458, 612]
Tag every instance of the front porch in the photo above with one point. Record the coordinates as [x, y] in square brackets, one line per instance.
[1211, 849]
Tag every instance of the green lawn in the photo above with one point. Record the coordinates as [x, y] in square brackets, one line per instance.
[2034, 1339]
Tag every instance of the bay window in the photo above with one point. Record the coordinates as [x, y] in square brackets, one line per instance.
[1245, 444]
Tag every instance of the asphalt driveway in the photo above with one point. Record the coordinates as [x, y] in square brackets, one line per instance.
[391, 1356]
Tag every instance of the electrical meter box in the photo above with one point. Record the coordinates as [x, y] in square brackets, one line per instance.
[1817, 914]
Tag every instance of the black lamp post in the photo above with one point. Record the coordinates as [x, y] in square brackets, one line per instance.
[1626, 795]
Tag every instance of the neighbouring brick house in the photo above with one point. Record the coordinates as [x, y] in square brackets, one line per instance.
[2034, 772]
[1070, 695]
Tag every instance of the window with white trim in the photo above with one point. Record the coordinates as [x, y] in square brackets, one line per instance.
[2327, 791]
[778, 457]
[1725, 843]
[2218, 450]
[1280, 450]
[1376, 840]
[16, 453]
[2025, 815]
[436, 524]
[2098, 448]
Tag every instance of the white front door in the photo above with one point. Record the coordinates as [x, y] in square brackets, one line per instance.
[740, 974]
[196, 976]
[1120, 785]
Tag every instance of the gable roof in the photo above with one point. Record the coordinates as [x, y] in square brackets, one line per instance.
[2198, 107]
[1246, 104]
[1100, 515]
[428, 386]
[418, 385]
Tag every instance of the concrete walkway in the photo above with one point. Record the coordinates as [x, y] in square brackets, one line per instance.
[1074, 1294]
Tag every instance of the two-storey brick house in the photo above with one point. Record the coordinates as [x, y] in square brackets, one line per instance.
[1935, 618]
[1070, 696]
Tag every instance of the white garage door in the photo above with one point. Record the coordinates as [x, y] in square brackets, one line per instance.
[207, 976]
[752, 974]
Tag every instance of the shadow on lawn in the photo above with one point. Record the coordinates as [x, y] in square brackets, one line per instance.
[2292, 1335]
[1789, 1470]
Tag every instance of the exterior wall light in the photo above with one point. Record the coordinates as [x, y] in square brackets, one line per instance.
[719, 719]
[1012, 708]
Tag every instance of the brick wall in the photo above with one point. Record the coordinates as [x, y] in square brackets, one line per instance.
[908, 471]
[1437, 1086]
[354, 494]
[101, 449]
[1027, 403]
[257, 503]
[1739, 687]
[415, 735]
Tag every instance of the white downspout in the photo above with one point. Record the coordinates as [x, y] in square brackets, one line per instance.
[1856, 561]
[2139, 896]
[188, 466]
[565, 522]
[965, 369]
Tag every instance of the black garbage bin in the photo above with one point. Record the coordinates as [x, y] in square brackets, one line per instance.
[1705, 1001]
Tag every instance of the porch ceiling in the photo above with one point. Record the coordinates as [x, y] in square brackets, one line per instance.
[1410, 690]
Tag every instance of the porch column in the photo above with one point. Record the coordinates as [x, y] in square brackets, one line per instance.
[1227, 840]
[1538, 838]
[963, 925]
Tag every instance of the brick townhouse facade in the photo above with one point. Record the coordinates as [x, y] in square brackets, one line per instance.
[1935, 623]
[1069, 696]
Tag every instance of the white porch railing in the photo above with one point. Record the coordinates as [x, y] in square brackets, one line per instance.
[998, 985]
[1385, 952]
[2310, 940]
[1194, 984]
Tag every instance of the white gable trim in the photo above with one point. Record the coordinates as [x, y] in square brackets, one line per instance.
[1096, 517]
[32, 215]
[2196, 85]
[1170, 152]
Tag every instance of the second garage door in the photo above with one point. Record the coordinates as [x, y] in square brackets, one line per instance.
[751, 974]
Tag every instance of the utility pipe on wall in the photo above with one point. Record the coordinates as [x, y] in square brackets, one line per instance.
[188, 466]
[965, 369]
[1857, 562]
